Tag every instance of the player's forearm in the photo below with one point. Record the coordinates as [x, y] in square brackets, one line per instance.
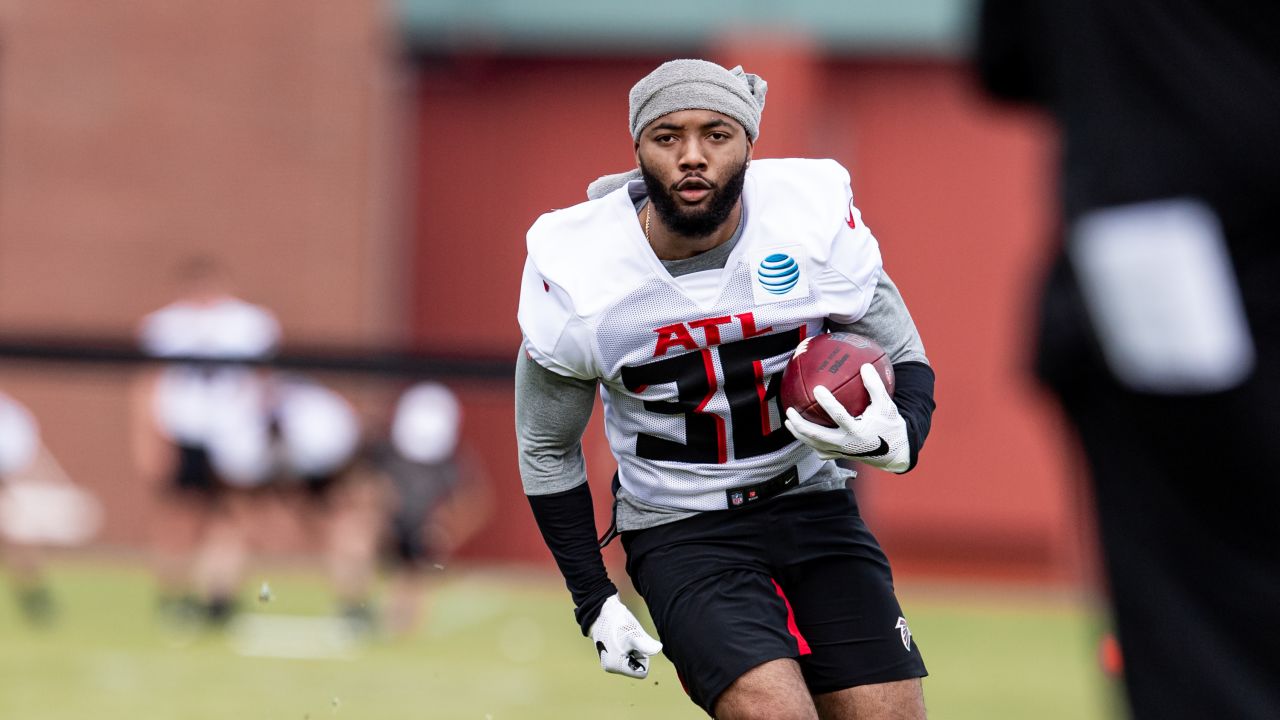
[913, 394]
[567, 522]
[551, 414]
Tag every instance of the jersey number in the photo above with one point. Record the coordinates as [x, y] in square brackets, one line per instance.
[747, 389]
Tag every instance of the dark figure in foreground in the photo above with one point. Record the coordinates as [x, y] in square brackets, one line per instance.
[1160, 321]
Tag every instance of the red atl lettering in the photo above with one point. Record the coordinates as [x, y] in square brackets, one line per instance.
[748, 321]
[711, 327]
[681, 335]
[672, 335]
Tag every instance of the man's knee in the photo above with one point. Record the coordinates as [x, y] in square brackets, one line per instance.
[898, 700]
[774, 690]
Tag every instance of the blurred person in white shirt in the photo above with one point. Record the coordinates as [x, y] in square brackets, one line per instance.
[208, 388]
[19, 446]
[39, 507]
[300, 449]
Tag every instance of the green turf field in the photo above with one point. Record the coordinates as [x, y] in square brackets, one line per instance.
[498, 646]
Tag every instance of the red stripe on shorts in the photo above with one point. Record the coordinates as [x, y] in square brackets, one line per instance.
[791, 622]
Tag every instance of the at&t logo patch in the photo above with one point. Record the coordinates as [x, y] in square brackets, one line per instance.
[779, 274]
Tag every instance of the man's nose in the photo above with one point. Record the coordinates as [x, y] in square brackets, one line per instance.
[692, 156]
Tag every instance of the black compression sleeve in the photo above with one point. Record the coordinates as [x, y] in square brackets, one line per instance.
[568, 525]
[913, 394]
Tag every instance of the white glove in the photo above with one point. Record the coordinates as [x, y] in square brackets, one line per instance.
[877, 437]
[623, 645]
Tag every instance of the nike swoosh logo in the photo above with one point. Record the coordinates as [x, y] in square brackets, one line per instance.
[882, 450]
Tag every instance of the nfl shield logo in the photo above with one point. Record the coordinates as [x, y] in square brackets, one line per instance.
[736, 498]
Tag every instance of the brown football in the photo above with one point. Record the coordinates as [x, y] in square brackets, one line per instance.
[834, 361]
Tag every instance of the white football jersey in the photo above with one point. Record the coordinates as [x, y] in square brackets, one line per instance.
[192, 401]
[690, 367]
[317, 433]
[226, 328]
[19, 436]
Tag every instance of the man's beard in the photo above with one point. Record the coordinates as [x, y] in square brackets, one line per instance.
[695, 222]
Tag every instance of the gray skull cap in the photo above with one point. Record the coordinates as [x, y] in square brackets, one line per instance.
[698, 85]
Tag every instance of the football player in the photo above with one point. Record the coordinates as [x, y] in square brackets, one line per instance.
[662, 292]
[19, 447]
[179, 408]
[439, 496]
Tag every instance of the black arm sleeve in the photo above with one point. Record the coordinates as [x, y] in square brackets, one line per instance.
[913, 394]
[567, 522]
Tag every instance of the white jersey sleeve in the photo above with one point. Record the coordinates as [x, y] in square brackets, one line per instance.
[847, 283]
[555, 336]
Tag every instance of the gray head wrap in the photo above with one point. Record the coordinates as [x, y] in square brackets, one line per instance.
[689, 85]
[698, 85]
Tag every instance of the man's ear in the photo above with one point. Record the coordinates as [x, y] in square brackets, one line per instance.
[750, 147]
[637, 153]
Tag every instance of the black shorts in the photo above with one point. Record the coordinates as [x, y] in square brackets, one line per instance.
[319, 487]
[193, 475]
[797, 577]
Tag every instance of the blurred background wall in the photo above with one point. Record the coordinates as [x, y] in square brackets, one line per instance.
[367, 170]
[137, 135]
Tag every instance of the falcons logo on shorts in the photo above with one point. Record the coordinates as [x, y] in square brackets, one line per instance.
[906, 632]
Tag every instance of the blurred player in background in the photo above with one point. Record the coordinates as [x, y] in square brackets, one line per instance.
[19, 447]
[40, 506]
[318, 441]
[300, 447]
[771, 596]
[1160, 321]
[181, 410]
[438, 497]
